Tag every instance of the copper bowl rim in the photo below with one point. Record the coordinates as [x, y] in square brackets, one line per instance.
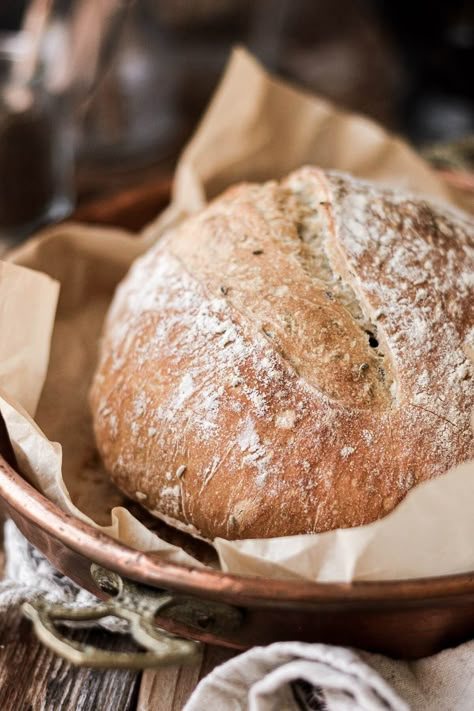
[32, 506]
[147, 568]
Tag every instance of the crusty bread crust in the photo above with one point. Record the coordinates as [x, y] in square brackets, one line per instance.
[293, 359]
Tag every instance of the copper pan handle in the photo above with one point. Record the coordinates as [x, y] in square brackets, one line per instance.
[161, 649]
[138, 605]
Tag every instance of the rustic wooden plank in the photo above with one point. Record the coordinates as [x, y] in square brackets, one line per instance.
[169, 688]
[33, 678]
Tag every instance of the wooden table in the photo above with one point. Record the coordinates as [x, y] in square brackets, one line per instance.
[32, 677]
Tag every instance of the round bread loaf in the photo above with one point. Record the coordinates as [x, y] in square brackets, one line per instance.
[291, 360]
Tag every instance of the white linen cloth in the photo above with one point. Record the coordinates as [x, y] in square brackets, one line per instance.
[295, 676]
[28, 575]
[285, 676]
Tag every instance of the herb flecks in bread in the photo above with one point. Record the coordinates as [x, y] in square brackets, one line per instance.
[300, 352]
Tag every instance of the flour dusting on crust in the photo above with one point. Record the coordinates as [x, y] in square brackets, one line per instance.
[301, 352]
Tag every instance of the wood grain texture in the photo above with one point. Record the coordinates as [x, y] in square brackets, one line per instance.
[33, 678]
[168, 689]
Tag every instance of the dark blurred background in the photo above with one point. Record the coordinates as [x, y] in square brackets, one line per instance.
[408, 64]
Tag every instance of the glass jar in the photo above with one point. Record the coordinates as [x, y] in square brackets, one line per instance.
[36, 144]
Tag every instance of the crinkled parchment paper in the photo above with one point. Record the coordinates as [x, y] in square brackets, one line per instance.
[27, 307]
[255, 128]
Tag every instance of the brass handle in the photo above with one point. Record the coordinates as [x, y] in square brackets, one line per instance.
[138, 605]
[162, 649]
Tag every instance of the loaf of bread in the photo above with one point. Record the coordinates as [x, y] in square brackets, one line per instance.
[293, 359]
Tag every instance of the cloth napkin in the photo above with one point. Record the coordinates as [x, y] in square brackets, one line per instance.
[28, 575]
[286, 676]
[294, 676]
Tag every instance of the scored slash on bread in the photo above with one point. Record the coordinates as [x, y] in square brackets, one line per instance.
[292, 359]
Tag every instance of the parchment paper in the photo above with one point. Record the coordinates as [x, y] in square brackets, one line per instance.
[256, 127]
[27, 307]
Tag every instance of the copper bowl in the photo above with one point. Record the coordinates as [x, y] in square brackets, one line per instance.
[408, 619]
[403, 619]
